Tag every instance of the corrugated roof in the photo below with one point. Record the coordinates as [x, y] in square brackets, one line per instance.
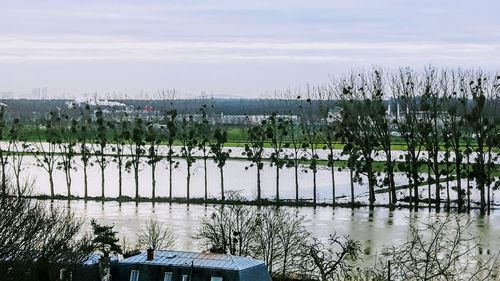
[184, 259]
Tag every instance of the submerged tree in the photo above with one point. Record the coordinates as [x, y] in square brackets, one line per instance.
[153, 138]
[407, 123]
[46, 149]
[277, 132]
[357, 116]
[101, 143]
[431, 131]
[204, 132]
[296, 156]
[137, 151]
[254, 150]
[171, 135]
[69, 137]
[332, 137]
[85, 139]
[189, 141]
[220, 154]
[18, 145]
[121, 138]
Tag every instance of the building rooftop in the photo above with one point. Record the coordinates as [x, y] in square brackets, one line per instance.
[186, 259]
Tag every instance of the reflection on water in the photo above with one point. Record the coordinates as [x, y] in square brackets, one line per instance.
[237, 178]
[373, 228]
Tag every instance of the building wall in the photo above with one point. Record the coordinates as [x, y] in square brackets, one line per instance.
[121, 272]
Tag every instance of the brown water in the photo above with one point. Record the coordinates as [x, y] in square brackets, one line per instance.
[373, 228]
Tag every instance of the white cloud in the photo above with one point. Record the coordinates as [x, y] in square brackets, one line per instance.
[120, 48]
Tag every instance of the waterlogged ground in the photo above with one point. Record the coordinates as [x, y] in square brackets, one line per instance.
[374, 229]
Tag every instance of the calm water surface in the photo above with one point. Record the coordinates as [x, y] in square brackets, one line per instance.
[374, 229]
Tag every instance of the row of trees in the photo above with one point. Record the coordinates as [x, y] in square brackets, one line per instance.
[446, 123]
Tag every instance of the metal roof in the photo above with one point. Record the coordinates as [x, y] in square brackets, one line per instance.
[185, 259]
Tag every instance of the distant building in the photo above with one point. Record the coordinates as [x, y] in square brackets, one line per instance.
[188, 266]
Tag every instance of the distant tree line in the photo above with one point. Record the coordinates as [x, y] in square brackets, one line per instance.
[446, 123]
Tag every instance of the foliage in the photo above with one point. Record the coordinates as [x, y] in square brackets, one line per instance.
[104, 239]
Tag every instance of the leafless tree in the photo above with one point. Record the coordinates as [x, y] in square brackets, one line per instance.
[32, 235]
[443, 249]
[154, 235]
[333, 260]
[229, 229]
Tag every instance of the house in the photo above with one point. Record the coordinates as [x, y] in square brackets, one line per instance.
[188, 266]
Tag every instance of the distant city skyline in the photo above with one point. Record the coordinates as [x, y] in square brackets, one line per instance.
[231, 48]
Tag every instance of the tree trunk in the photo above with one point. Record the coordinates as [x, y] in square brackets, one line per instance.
[153, 181]
[188, 181]
[120, 180]
[351, 174]
[102, 182]
[4, 180]
[416, 182]
[170, 180]
[458, 166]
[296, 183]
[51, 183]
[68, 181]
[277, 184]
[85, 181]
[447, 181]
[222, 183]
[314, 187]
[429, 181]
[206, 180]
[258, 184]
[371, 186]
[468, 184]
[136, 179]
[437, 187]
[332, 170]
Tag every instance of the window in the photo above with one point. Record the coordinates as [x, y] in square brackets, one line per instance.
[134, 275]
[168, 276]
[216, 279]
[184, 278]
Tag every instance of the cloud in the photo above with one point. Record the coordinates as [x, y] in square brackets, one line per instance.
[121, 48]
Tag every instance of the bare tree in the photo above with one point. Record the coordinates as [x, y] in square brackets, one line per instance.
[33, 236]
[154, 235]
[229, 228]
[404, 90]
[442, 249]
[333, 261]
[17, 147]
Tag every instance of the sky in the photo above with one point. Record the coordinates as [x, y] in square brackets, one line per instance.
[232, 48]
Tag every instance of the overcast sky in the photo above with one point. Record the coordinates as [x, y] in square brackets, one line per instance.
[232, 47]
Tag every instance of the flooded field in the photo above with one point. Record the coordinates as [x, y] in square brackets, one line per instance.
[373, 228]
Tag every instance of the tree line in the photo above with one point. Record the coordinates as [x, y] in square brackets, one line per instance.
[446, 123]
